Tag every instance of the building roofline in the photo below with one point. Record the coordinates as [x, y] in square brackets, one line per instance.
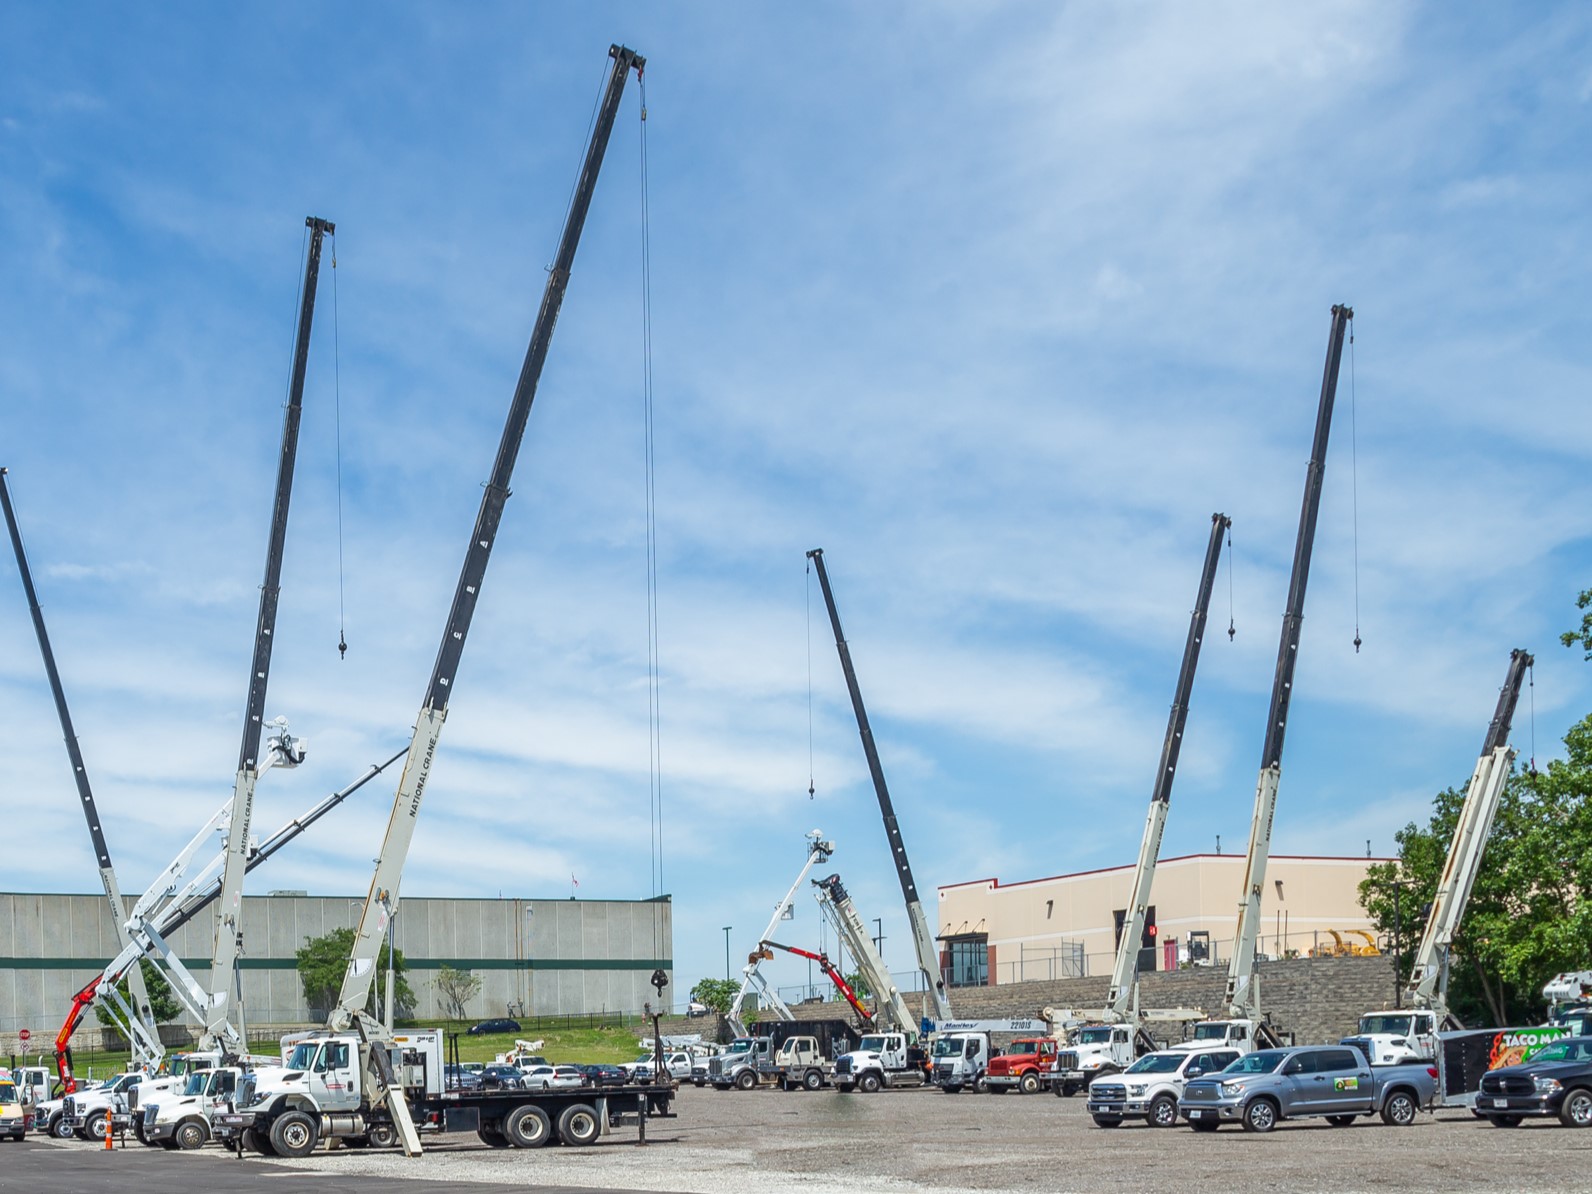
[996, 883]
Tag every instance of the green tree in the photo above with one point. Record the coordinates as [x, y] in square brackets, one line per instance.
[457, 988]
[324, 960]
[162, 1002]
[859, 986]
[716, 994]
[1530, 914]
[1583, 637]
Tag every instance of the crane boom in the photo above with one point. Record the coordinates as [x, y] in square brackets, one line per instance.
[229, 923]
[1428, 982]
[1121, 989]
[922, 939]
[141, 1011]
[848, 924]
[764, 953]
[818, 850]
[1242, 998]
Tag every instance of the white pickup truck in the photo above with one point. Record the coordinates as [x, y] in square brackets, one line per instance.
[1152, 1086]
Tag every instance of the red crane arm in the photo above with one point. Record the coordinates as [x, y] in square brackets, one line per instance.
[834, 976]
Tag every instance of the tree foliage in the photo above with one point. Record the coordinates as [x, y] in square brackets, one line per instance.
[716, 994]
[1583, 637]
[1530, 913]
[162, 1002]
[324, 960]
[457, 988]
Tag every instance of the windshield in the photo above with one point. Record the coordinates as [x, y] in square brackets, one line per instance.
[1100, 1035]
[8, 1093]
[1157, 1063]
[741, 1046]
[195, 1085]
[1391, 1025]
[1565, 1051]
[874, 1043]
[303, 1056]
[1263, 1062]
[643, 1059]
[948, 1048]
[1215, 1031]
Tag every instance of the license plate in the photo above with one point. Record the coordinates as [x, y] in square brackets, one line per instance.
[1196, 1114]
[1500, 1102]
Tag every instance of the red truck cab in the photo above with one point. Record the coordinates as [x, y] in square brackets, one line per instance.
[1024, 1065]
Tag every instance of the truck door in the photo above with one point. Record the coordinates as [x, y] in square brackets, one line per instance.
[1302, 1088]
[1345, 1081]
[333, 1081]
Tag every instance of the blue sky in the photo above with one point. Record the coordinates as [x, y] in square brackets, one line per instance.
[995, 303]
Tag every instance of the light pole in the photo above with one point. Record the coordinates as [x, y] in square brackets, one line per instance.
[392, 918]
[727, 929]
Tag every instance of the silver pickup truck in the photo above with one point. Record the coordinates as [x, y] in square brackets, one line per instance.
[1335, 1082]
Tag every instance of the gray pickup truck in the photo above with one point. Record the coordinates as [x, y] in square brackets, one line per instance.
[1334, 1082]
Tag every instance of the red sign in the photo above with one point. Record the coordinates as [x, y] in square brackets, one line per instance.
[24, 1035]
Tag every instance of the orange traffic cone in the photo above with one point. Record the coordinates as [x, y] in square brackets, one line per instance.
[107, 1128]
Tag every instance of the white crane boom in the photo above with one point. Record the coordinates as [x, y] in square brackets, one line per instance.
[818, 851]
[848, 924]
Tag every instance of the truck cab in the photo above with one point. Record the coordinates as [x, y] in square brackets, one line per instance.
[181, 1118]
[1096, 1049]
[1024, 1066]
[799, 1064]
[1151, 1088]
[959, 1059]
[882, 1059]
[1221, 1034]
[737, 1065]
[1395, 1038]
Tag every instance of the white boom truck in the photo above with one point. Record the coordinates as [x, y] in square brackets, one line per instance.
[961, 1050]
[1112, 1037]
[356, 1080]
[1405, 1035]
[1243, 994]
[818, 850]
[1569, 1000]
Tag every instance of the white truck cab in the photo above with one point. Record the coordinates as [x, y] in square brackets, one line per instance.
[1095, 1049]
[1394, 1038]
[1220, 1034]
[180, 1118]
[1152, 1086]
[882, 1059]
[959, 1059]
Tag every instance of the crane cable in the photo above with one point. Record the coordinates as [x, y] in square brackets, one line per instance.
[337, 407]
[655, 751]
[1354, 485]
[1232, 628]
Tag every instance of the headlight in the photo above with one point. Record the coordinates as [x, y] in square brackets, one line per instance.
[1136, 1091]
[1546, 1085]
[1232, 1088]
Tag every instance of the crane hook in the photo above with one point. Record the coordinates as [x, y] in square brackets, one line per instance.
[342, 647]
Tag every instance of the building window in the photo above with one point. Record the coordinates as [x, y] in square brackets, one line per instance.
[968, 960]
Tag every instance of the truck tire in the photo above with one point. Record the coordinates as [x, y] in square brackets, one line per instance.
[528, 1127]
[812, 1080]
[138, 1131]
[1068, 1089]
[1108, 1121]
[1028, 1083]
[294, 1134]
[1576, 1110]
[1399, 1108]
[382, 1135]
[190, 1134]
[579, 1125]
[57, 1127]
[869, 1083]
[94, 1126]
[995, 1090]
[491, 1134]
[1163, 1112]
[745, 1080]
[1260, 1115]
[951, 1089]
[257, 1141]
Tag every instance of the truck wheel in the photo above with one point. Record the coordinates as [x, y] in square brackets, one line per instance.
[813, 1080]
[1399, 1108]
[951, 1089]
[293, 1134]
[94, 1126]
[1028, 1083]
[1260, 1116]
[528, 1127]
[579, 1125]
[491, 1134]
[745, 1080]
[190, 1134]
[1576, 1110]
[1068, 1089]
[869, 1083]
[382, 1135]
[258, 1142]
[994, 1090]
[1163, 1112]
[138, 1131]
[1108, 1121]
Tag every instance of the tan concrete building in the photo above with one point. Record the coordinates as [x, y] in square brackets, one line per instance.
[1068, 926]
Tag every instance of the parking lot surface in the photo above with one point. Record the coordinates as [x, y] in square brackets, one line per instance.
[925, 1140]
[828, 1143]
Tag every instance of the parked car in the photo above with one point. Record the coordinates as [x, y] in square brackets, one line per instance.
[1152, 1086]
[602, 1074]
[1557, 1081]
[458, 1077]
[1263, 1088]
[487, 1027]
[502, 1077]
[554, 1077]
[15, 1117]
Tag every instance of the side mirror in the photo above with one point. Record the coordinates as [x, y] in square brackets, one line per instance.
[1194, 1072]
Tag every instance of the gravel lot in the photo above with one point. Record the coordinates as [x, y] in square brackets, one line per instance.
[926, 1140]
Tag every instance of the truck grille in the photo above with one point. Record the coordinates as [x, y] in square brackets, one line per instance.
[843, 1066]
[69, 1107]
[1194, 1094]
[1067, 1059]
[943, 1070]
[1507, 1084]
[1110, 1092]
[149, 1115]
[716, 1067]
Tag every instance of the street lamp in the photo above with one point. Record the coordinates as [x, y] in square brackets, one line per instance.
[727, 929]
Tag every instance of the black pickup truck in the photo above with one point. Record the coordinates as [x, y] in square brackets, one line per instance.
[1556, 1081]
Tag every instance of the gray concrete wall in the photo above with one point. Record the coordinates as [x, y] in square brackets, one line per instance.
[541, 957]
